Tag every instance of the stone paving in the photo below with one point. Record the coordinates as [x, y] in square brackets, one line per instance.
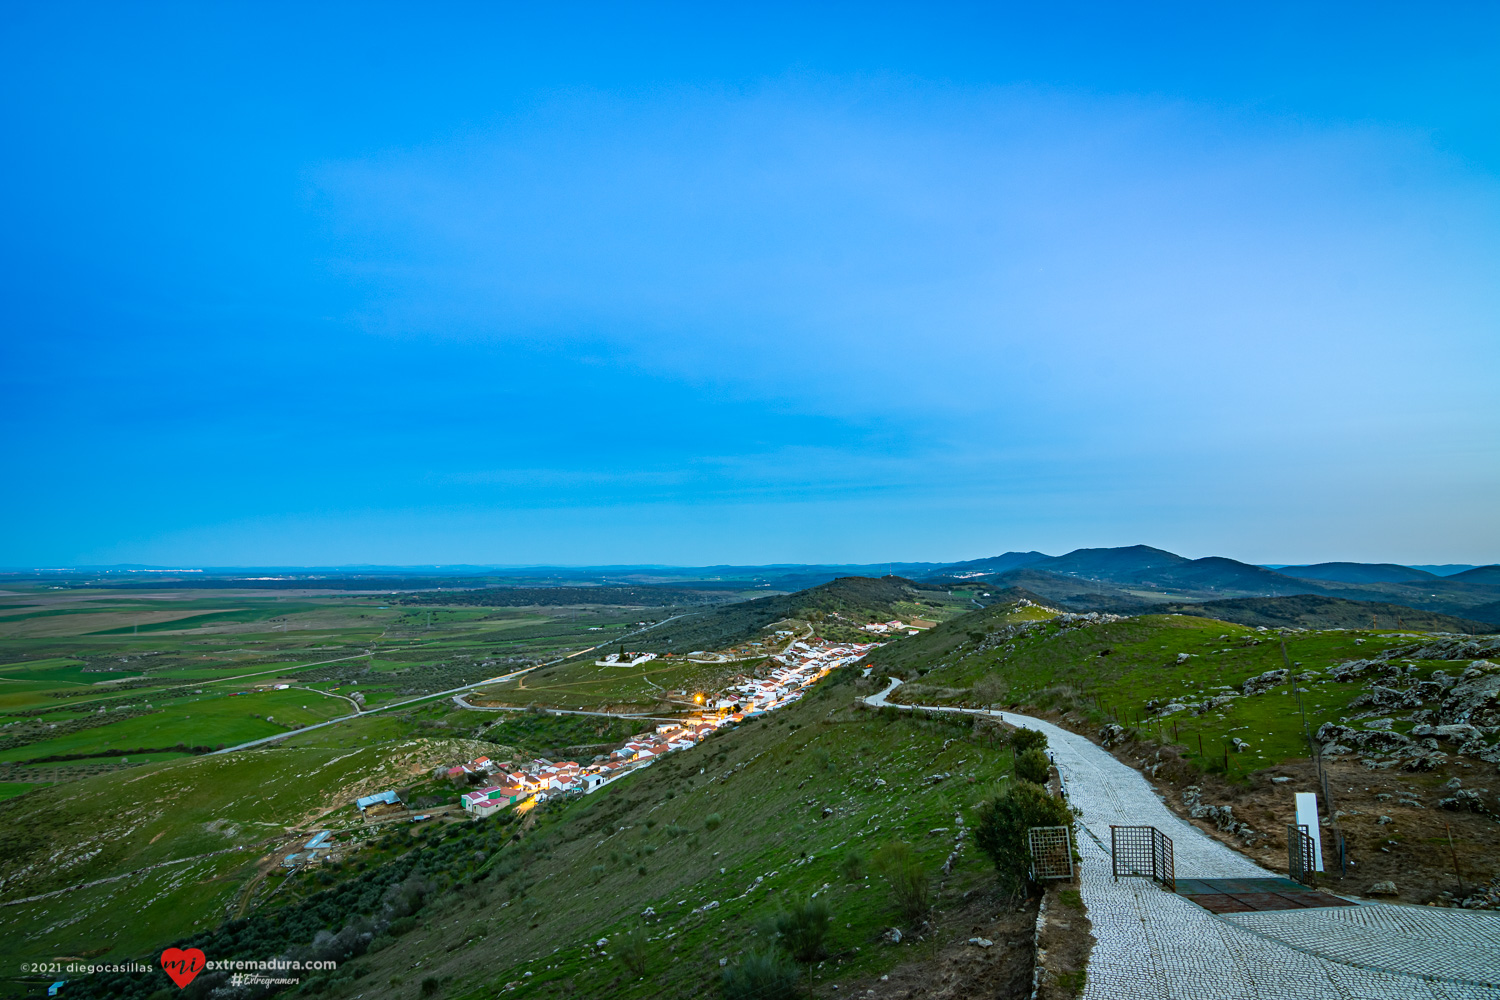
[1155, 944]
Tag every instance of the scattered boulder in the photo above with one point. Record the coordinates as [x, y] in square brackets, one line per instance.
[1458, 733]
[1111, 734]
[1380, 696]
[1222, 817]
[1463, 800]
[1475, 698]
[1262, 683]
[1349, 669]
[1383, 889]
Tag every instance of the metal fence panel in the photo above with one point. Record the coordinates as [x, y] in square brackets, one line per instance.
[1144, 852]
[1051, 850]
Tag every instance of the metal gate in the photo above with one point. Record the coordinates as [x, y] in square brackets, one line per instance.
[1144, 852]
[1051, 850]
[1301, 856]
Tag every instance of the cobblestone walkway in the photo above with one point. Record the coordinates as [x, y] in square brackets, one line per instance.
[1156, 945]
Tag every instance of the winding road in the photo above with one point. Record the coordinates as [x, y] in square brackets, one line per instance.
[1152, 944]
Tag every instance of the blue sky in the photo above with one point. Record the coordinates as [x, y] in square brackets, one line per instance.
[476, 283]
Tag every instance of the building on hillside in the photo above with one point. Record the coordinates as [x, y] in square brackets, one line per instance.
[379, 799]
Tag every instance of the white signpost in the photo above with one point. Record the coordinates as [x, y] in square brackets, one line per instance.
[1307, 816]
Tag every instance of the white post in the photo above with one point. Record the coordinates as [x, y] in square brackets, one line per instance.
[1307, 815]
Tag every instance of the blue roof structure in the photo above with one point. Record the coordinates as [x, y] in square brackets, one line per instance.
[367, 801]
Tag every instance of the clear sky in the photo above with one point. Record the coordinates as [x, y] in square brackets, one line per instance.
[573, 283]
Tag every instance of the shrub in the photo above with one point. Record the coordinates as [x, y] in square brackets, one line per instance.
[1002, 824]
[853, 864]
[761, 975]
[1028, 739]
[634, 952]
[430, 985]
[401, 925]
[597, 872]
[903, 873]
[712, 821]
[803, 930]
[1033, 766]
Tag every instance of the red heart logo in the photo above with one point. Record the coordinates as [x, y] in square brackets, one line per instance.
[183, 964]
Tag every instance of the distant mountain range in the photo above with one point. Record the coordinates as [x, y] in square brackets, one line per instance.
[1129, 579]
[1138, 578]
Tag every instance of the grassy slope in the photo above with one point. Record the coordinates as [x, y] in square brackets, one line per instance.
[576, 873]
[1064, 669]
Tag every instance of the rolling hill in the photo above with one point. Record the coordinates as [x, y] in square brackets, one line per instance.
[1347, 572]
[1314, 611]
[848, 601]
[1487, 576]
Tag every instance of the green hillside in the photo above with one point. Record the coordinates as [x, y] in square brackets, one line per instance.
[694, 852]
[836, 609]
[1310, 611]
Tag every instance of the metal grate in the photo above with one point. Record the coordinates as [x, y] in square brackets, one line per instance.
[1301, 859]
[1143, 852]
[1051, 852]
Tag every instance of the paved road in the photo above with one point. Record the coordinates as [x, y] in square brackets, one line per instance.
[1154, 944]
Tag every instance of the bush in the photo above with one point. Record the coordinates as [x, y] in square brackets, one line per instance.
[1002, 824]
[430, 985]
[1028, 739]
[803, 930]
[712, 821]
[853, 865]
[761, 975]
[902, 871]
[1033, 766]
[634, 952]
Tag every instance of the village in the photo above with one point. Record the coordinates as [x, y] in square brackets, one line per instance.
[517, 785]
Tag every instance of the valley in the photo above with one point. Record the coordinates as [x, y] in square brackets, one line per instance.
[131, 822]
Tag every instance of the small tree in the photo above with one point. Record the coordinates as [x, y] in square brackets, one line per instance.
[761, 975]
[803, 930]
[1033, 766]
[1028, 739]
[1002, 824]
[634, 952]
[903, 873]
